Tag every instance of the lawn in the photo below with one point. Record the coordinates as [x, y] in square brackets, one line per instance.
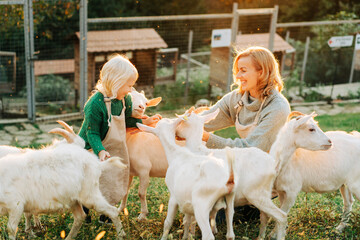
[312, 217]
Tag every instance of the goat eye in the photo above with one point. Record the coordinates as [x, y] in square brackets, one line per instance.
[312, 129]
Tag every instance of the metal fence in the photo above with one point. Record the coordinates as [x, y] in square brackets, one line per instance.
[64, 68]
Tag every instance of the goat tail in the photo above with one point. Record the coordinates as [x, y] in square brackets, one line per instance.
[115, 162]
[231, 158]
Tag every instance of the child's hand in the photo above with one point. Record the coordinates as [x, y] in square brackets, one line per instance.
[103, 155]
[152, 121]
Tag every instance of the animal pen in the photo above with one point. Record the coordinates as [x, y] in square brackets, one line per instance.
[49, 55]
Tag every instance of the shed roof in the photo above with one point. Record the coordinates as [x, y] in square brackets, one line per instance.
[123, 40]
[61, 66]
[262, 40]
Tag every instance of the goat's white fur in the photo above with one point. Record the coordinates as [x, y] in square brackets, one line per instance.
[5, 150]
[304, 169]
[195, 182]
[59, 176]
[255, 170]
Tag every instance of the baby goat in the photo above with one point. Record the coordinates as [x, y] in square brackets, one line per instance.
[195, 182]
[62, 175]
[302, 168]
[255, 170]
[146, 154]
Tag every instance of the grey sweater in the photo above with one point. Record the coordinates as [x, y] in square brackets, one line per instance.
[272, 117]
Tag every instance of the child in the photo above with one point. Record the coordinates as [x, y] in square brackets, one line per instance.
[107, 114]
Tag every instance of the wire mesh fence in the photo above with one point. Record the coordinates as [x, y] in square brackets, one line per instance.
[159, 48]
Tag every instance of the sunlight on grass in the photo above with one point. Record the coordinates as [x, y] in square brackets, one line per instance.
[314, 216]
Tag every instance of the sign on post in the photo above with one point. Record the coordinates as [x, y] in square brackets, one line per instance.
[221, 38]
[357, 42]
[340, 41]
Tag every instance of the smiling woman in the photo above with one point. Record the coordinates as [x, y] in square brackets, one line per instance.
[256, 108]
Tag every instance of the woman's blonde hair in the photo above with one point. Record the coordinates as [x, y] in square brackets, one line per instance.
[114, 74]
[264, 61]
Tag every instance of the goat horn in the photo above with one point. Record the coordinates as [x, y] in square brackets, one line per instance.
[201, 109]
[63, 133]
[294, 114]
[66, 126]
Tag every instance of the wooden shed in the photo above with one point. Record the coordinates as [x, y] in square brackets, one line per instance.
[139, 45]
[219, 59]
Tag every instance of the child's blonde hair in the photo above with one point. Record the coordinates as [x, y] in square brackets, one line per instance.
[114, 74]
[264, 61]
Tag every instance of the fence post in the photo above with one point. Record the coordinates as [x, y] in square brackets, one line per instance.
[304, 64]
[234, 30]
[29, 52]
[274, 17]
[287, 36]
[353, 59]
[188, 66]
[83, 54]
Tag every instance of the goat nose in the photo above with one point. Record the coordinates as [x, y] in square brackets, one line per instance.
[141, 107]
[329, 141]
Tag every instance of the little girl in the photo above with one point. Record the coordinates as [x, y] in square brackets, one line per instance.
[107, 114]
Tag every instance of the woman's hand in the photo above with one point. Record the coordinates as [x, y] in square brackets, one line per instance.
[152, 121]
[103, 155]
[205, 136]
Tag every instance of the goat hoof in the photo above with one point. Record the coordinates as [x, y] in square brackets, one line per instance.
[339, 229]
[142, 217]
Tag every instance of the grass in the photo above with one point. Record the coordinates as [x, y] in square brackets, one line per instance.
[312, 217]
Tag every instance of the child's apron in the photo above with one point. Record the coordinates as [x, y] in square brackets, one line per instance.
[114, 181]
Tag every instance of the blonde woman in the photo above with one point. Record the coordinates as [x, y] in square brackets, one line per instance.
[107, 114]
[256, 107]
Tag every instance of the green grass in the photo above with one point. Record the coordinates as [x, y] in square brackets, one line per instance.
[312, 217]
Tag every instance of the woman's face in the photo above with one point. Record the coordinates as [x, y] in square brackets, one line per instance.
[248, 75]
[125, 89]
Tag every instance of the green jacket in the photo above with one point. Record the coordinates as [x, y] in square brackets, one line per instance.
[95, 125]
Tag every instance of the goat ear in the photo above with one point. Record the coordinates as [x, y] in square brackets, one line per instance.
[145, 128]
[210, 116]
[153, 102]
[302, 120]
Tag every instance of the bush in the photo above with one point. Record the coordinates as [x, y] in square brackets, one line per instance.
[52, 88]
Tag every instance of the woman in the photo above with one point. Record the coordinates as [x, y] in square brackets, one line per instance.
[256, 108]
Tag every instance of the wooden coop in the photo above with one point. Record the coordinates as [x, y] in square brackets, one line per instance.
[139, 45]
[62, 67]
[219, 59]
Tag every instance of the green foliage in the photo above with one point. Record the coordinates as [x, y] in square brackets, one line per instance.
[52, 88]
[173, 93]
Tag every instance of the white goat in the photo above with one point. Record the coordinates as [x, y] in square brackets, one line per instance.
[255, 169]
[62, 175]
[196, 182]
[146, 154]
[309, 170]
[5, 150]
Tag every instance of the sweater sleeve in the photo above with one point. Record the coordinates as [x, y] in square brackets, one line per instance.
[129, 120]
[261, 137]
[223, 119]
[94, 118]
